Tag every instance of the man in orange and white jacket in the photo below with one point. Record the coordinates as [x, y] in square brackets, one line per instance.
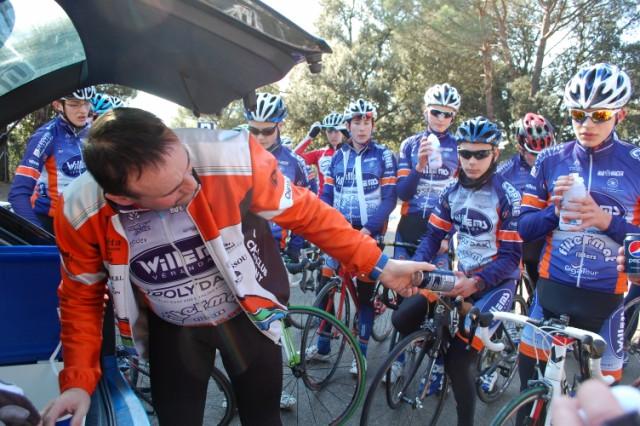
[173, 226]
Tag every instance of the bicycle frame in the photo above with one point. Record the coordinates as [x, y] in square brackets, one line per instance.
[554, 375]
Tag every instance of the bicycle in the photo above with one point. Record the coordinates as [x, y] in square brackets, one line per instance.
[221, 405]
[339, 294]
[631, 332]
[399, 391]
[323, 391]
[532, 406]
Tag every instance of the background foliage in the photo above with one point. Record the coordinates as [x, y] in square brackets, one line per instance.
[506, 57]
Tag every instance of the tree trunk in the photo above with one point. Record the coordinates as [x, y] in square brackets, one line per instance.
[487, 66]
[540, 51]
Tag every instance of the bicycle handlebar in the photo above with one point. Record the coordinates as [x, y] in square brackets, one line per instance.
[296, 268]
[592, 340]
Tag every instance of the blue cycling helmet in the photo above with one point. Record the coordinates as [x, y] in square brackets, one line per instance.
[101, 103]
[479, 130]
[599, 86]
[269, 108]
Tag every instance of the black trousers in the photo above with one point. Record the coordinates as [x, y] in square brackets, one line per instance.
[182, 358]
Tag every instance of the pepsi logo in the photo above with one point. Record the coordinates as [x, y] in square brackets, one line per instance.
[634, 249]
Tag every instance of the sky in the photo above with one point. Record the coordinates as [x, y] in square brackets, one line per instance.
[302, 12]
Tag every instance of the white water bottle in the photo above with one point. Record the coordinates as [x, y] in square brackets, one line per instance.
[577, 190]
[435, 159]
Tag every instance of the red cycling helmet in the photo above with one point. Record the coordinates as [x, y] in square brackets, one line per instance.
[534, 133]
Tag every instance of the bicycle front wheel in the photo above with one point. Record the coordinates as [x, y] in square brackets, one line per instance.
[496, 370]
[528, 408]
[318, 386]
[395, 393]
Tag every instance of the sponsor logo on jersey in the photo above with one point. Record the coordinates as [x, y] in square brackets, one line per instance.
[635, 153]
[472, 222]
[74, 166]
[165, 264]
[608, 204]
[616, 173]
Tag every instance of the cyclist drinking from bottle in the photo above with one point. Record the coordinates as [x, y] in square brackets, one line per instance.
[420, 178]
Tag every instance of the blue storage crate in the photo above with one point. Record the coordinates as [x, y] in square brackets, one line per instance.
[29, 324]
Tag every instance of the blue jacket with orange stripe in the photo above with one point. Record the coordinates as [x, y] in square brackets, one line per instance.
[52, 159]
[486, 222]
[420, 191]
[362, 185]
[585, 259]
[240, 189]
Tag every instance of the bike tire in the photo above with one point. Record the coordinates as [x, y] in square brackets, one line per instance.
[631, 332]
[325, 391]
[382, 326]
[221, 402]
[392, 403]
[520, 406]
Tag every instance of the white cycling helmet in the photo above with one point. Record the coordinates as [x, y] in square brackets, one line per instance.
[84, 94]
[360, 107]
[598, 86]
[269, 108]
[442, 94]
[335, 120]
[117, 102]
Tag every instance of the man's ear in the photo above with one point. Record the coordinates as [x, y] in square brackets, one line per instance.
[122, 200]
[496, 151]
[57, 105]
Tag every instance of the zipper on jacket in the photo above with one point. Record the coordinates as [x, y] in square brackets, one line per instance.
[584, 231]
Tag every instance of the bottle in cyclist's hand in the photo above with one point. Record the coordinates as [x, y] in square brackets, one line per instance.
[438, 280]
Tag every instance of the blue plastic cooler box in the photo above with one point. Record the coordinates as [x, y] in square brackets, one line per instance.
[29, 324]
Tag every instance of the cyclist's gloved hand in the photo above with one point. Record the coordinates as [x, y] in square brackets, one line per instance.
[15, 408]
[293, 254]
[314, 130]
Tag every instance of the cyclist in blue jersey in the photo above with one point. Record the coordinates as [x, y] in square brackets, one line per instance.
[419, 185]
[483, 209]
[533, 134]
[52, 159]
[578, 275]
[265, 123]
[360, 184]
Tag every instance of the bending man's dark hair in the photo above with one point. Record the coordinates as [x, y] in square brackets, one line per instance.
[122, 141]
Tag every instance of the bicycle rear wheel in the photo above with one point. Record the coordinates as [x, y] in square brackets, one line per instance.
[323, 390]
[529, 408]
[221, 404]
[382, 326]
[394, 393]
[631, 332]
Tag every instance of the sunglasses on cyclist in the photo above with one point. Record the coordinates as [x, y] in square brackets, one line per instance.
[331, 129]
[440, 114]
[478, 155]
[266, 132]
[599, 116]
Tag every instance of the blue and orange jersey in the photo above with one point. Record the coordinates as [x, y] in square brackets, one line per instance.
[486, 222]
[362, 185]
[585, 259]
[420, 191]
[53, 158]
[516, 171]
